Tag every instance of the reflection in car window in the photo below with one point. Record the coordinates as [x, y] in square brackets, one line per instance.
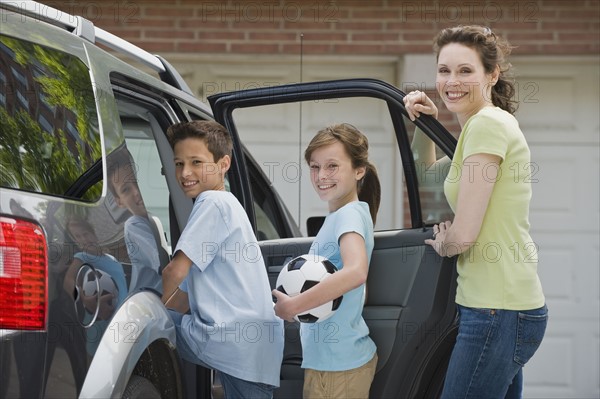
[432, 167]
[48, 115]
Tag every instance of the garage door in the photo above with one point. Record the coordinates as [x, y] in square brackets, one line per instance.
[559, 115]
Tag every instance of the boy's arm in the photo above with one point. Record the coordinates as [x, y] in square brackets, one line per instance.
[179, 301]
[174, 274]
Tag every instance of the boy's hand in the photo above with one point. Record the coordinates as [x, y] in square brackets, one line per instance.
[283, 308]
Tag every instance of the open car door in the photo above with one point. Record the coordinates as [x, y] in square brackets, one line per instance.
[410, 307]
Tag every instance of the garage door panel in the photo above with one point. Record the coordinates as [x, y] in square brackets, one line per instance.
[558, 99]
[565, 188]
[564, 366]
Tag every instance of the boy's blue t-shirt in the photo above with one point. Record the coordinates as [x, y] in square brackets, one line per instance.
[232, 326]
[342, 341]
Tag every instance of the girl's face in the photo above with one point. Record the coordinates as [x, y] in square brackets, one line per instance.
[196, 168]
[462, 82]
[333, 177]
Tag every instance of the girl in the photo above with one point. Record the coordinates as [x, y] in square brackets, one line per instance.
[501, 306]
[339, 357]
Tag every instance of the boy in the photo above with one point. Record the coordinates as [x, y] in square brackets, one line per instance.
[231, 326]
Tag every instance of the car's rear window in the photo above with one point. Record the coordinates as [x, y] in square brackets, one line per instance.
[50, 141]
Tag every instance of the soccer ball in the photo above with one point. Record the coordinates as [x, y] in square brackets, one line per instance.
[98, 280]
[303, 273]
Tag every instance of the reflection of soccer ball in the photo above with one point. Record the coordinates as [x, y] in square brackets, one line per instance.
[95, 279]
[302, 273]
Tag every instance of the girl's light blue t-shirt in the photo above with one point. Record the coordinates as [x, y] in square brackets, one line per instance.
[342, 341]
[232, 326]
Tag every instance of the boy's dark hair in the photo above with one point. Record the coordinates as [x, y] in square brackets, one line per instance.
[217, 139]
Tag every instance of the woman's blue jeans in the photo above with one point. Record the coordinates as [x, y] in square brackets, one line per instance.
[491, 349]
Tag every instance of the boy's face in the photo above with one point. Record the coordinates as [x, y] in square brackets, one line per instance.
[127, 191]
[196, 169]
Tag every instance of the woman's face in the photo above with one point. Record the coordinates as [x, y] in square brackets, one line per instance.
[462, 82]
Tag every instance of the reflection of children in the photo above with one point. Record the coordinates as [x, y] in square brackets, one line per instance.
[107, 267]
[140, 236]
[231, 326]
[344, 366]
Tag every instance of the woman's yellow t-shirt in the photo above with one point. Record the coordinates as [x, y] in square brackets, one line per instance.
[500, 270]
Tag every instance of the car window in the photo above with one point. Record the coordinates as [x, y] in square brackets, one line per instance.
[141, 128]
[50, 140]
[278, 147]
[432, 166]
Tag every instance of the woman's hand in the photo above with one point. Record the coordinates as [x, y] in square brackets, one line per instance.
[417, 102]
[283, 307]
[439, 235]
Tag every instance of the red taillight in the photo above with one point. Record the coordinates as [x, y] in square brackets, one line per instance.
[23, 272]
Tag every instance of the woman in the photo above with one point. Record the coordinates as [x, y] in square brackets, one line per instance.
[501, 306]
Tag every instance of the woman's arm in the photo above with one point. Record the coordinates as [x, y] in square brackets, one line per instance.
[475, 190]
[353, 274]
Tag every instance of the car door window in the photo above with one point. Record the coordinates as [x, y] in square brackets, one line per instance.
[432, 166]
[278, 147]
[50, 140]
[143, 124]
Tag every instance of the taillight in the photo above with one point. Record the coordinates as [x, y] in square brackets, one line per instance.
[23, 275]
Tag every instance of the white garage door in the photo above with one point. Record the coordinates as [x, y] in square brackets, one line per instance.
[559, 115]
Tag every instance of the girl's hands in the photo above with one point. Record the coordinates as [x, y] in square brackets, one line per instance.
[416, 103]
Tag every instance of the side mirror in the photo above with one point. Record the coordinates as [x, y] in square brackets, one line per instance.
[313, 225]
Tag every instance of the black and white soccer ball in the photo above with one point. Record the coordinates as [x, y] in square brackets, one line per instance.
[303, 273]
[98, 281]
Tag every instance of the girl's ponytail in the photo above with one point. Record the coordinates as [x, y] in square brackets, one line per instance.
[369, 190]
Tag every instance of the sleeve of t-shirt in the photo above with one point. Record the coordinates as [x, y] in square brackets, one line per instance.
[485, 135]
[184, 284]
[204, 234]
[350, 220]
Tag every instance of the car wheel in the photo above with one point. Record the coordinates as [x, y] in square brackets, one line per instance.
[140, 388]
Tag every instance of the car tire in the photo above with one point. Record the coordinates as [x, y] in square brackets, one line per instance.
[140, 388]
